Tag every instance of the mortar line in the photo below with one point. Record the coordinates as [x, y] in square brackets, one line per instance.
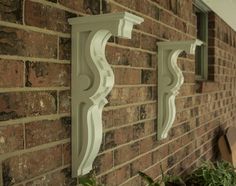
[34, 119]
[32, 89]
[42, 175]
[34, 29]
[143, 154]
[34, 149]
[108, 108]
[34, 59]
[143, 15]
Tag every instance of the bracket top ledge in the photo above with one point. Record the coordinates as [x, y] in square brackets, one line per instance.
[177, 44]
[189, 44]
[105, 18]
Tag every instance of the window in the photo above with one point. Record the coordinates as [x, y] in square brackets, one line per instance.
[201, 56]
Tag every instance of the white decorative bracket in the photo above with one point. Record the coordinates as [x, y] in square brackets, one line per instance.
[92, 80]
[170, 79]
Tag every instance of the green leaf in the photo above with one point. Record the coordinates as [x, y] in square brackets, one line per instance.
[147, 178]
[87, 181]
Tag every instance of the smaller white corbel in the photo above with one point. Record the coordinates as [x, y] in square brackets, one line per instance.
[170, 79]
[92, 80]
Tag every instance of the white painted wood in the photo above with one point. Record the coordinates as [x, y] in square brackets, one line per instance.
[223, 8]
[170, 79]
[92, 80]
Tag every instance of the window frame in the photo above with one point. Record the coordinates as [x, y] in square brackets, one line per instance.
[203, 55]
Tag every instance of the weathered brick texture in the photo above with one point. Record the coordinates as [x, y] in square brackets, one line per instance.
[35, 94]
[25, 104]
[12, 138]
[41, 74]
[11, 73]
[42, 132]
[48, 17]
[11, 11]
[27, 43]
[29, 165]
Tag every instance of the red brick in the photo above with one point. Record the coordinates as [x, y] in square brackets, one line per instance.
[165, 4]
[154, 171]
[119, 117]
[207, 87]
[148, 76]
[11, 73]
[167, 18]
[141, 130]
[145, 26]
[25, 43]
[188, 138]
[61, 177]
[11, 11]
[43, 16]
[129, 143]
[134, 42]
[189, 77]
[54, 1]
[126, 153]
[85, 6]
[118, 137]
[11, 138]
[103, 162]
[147, 144]
[127, 76]
[147, 111]
[110, 7]
[173, 6]
[64, 101]
[132, 4]
[182, 103]
[42, 74]
[75, 5]
[149, 9]
[133, 182]
[160, 153]
[156, 29]
[148, 43]
[22, 104]
[180, 25]
[66, 152]
[184, 5]
[141, 164]
[183, 116]
[65, 48]
[186, 65]
[117, 177]
[121, 96]
[47, 131]
[120, 56]
[187, 90]
[25, 166]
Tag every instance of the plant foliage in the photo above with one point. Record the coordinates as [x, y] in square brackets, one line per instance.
[88, 181]
[167, 180]
[213, 174]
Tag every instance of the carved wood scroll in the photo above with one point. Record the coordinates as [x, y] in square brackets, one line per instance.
[92, 80]
[170, 79]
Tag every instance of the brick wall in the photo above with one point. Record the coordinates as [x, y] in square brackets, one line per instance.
[35, 92]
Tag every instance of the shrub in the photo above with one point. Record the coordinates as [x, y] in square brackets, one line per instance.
[167, 180]
[213, 174]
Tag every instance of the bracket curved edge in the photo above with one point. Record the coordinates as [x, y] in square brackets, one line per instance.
[170, 79]
[91, 81]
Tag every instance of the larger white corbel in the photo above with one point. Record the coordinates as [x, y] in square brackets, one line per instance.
[92, 80]
[170, 79]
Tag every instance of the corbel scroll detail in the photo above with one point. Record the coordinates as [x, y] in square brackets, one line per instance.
[92, 80]
[170, 79]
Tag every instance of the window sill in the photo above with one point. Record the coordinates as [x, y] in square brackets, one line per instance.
[206, 86]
